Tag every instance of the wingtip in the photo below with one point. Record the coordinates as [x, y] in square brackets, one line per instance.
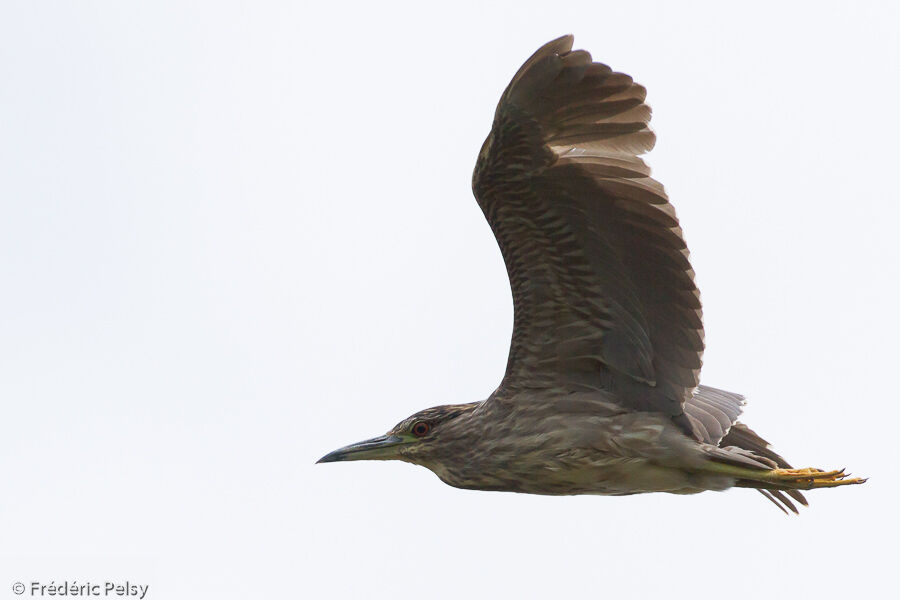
[560, 45]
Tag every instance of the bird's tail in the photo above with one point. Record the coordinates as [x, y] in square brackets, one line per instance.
[778, 484]
[737, 449]
[774, 483]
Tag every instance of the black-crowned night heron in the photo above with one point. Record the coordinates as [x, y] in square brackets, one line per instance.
[601, 390]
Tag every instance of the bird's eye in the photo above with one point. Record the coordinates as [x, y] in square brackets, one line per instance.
[421, 428]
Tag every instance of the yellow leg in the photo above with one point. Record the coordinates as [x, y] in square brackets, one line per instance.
[792, 479]
[809, 479]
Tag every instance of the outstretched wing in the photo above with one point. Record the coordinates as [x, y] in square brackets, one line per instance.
[603, 290]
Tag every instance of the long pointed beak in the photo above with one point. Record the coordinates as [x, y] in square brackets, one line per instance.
[380, 448]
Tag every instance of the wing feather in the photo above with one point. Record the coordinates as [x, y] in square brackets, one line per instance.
[601, 278]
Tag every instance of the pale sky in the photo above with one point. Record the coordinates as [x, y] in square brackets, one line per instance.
[236, 236]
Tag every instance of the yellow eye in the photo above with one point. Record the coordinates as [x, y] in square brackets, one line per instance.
[421, 429]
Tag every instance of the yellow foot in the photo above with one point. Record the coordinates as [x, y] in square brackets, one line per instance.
[809, 479]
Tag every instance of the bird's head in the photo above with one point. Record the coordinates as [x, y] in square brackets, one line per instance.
[413, 439]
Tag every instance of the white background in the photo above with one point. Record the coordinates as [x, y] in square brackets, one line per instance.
[235, 236]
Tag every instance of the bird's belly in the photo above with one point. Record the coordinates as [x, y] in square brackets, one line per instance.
[634, 476]
[614, 476]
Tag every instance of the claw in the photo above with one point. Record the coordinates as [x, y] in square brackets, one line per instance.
[811, 478]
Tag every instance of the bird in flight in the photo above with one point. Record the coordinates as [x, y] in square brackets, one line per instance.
[601, 393]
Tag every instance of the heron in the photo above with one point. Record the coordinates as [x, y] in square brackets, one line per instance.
[601, 393]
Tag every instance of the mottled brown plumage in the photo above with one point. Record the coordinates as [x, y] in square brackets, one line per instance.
[601, 392]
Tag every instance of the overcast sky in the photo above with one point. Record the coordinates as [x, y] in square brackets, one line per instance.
[235, 236]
